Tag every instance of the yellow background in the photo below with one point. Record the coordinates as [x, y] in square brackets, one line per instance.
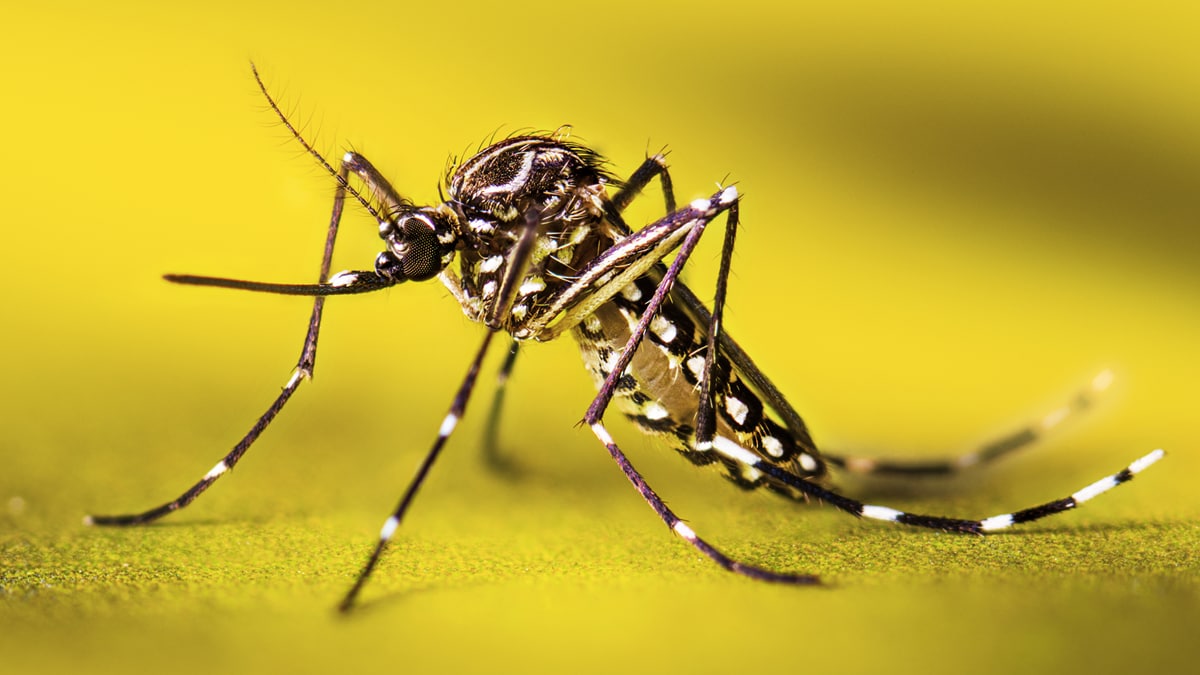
[954, 216]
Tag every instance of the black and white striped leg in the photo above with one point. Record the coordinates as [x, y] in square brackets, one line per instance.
[457, 408]
[725, 200]
[518, 262]
[682, 529]
[303, 371]
[989, 452]
[705, 417]
[491, 430]
[985, 525]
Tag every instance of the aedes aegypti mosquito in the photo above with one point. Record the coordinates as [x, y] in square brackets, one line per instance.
[544, 250]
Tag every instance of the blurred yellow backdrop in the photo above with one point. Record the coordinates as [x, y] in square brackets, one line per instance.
[954, 215]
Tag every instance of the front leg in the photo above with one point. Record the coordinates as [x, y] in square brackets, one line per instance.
[304, 365]
[652, 167]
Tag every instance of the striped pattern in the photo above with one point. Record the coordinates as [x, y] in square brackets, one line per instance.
[1006, 520]
[303, 372]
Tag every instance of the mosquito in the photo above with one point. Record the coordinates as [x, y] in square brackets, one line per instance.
[536, 223]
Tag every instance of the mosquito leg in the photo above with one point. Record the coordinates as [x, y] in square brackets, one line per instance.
[457, 408]
[987, 453]
[726, 200]
[308, 353]
[982, 526]
[514, 272]
[682, 529]
[491, 432]
[222, 466]
[303, 371]
[705, 419]
[518, 263]
[653, 166]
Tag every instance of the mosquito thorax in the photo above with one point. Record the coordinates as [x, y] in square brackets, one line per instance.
[501, 183]
[420, 243]
[497, 194]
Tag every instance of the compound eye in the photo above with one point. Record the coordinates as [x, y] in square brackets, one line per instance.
[413, 252]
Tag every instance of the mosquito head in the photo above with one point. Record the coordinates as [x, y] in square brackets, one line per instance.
[420, 243]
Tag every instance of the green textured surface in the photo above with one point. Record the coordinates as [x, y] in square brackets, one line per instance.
[596, 587]
[953, 217]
